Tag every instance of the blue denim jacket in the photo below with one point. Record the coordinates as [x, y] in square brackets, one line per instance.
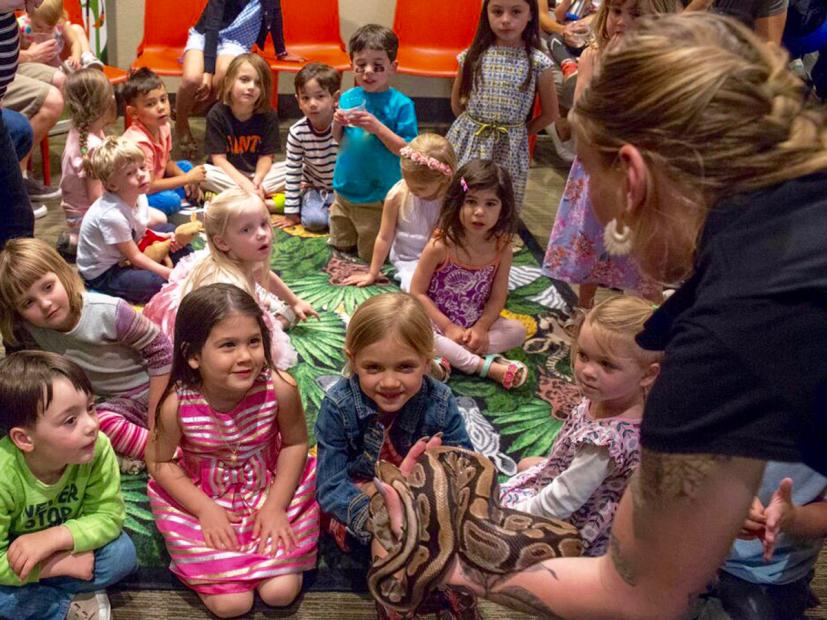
[350, 435]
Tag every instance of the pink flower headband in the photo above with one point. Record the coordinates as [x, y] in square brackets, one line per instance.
[425, 160]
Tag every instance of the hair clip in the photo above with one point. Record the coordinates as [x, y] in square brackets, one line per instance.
[463, 184]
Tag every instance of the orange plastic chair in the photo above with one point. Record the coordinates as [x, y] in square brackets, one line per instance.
[309, 32]
[166, 25]
[431, 34]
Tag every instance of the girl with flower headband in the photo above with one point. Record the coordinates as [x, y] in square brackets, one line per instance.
[462, 276]
[411, 208]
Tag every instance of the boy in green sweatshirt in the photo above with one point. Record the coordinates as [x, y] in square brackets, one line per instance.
[61, 511]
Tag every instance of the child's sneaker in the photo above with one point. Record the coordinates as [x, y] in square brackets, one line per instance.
[90, 606]
[88, 59]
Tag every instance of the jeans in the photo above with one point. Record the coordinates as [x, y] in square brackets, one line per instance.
[315, 209]
[20, 132]
[169, 200]
[134, 285]
[49, 599]
[16, 217]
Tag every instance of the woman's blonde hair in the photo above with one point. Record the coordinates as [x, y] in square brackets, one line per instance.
[89, 96]
[642, 7]
[714, 112]
[22, 263]
[433, 146]
[390, 314]
[614, 323]
[265, 80]
[50, 11]
[219, 266]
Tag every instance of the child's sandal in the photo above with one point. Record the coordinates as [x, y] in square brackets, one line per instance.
[515, 375]
[441, 369]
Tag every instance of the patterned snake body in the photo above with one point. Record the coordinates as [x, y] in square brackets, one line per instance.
[451, 506]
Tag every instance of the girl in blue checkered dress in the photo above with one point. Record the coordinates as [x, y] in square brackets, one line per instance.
[498, 79]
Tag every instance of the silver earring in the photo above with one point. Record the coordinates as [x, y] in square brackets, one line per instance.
[617, 243]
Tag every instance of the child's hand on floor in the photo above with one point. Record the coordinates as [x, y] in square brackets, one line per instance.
[304, 310]
[216, 525]
[475, 340]
[273, 526]
[290, 219]
[29, 550]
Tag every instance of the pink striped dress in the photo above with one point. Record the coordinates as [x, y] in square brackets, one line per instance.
[208, 440]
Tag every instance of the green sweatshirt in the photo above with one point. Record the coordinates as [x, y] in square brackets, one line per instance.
[87, 500]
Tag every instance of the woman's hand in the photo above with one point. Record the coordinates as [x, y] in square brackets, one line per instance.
[273, 528]
[216, 526]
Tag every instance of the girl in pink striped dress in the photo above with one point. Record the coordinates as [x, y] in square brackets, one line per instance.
[236, 507]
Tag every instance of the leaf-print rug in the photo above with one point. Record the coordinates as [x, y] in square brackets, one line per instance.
[504, 425]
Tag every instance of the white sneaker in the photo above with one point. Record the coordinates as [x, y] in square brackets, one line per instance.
[90, 606]
[564, 149]
[40, 211]
[88, 59]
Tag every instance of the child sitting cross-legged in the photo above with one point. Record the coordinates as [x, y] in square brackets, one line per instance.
[146, 105]
[115, 224]
[61, 511]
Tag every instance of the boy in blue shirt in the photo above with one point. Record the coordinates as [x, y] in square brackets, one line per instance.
[372, 123]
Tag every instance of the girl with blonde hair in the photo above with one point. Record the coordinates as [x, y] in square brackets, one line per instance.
[598, 448]
[712, 165]
[43, 305]
[239, 245]
[411, 208]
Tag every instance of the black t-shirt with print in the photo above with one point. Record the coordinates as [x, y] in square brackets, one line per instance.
[242, 142]
[745, 338]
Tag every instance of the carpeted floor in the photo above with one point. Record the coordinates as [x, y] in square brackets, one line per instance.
[506, 426]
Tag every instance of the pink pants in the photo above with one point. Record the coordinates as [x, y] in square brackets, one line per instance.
[123, 419]
[504, 334]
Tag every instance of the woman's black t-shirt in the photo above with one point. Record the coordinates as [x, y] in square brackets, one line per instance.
[745, 338]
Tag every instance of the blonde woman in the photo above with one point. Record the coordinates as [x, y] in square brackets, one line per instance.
[709, 165]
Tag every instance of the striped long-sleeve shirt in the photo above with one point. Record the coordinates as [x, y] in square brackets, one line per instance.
[9, 50]
[311, 157]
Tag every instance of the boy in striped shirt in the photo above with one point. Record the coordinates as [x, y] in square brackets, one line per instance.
[311, 149]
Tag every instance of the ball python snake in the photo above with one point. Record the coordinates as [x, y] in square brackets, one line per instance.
[451, 506]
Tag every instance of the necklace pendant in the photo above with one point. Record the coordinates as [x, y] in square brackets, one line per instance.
[233, 459]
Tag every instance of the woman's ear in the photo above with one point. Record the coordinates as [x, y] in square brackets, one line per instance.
[636, 173]
[651, 373]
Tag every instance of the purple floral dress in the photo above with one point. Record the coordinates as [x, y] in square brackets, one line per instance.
[620, 436]
[461, 291]
[575, 252]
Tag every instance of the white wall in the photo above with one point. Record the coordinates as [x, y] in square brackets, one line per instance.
[126, 22]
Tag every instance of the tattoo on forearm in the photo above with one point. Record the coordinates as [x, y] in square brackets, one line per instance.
[494, 588]
[670, 476]
[624, 567]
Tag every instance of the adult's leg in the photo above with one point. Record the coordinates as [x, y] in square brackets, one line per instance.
[193, 73]
[16, 217]
[20, 132]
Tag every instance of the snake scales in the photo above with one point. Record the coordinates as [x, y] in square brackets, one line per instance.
[451, 506]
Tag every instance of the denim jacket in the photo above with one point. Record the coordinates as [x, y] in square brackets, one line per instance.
[350, 435]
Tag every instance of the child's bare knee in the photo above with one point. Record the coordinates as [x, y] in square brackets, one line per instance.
[280, 591]
[229, 605]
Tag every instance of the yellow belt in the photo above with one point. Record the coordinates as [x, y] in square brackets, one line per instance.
[498, 129]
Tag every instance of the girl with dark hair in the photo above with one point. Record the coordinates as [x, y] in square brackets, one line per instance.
[240, 496]
[462, 276]
[499, 77]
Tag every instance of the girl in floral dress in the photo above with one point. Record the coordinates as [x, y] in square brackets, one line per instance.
[236, 508]
[575, 252]
[598, 448]
[499, 77]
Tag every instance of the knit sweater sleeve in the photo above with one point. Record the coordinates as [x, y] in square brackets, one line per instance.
[136, 331]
